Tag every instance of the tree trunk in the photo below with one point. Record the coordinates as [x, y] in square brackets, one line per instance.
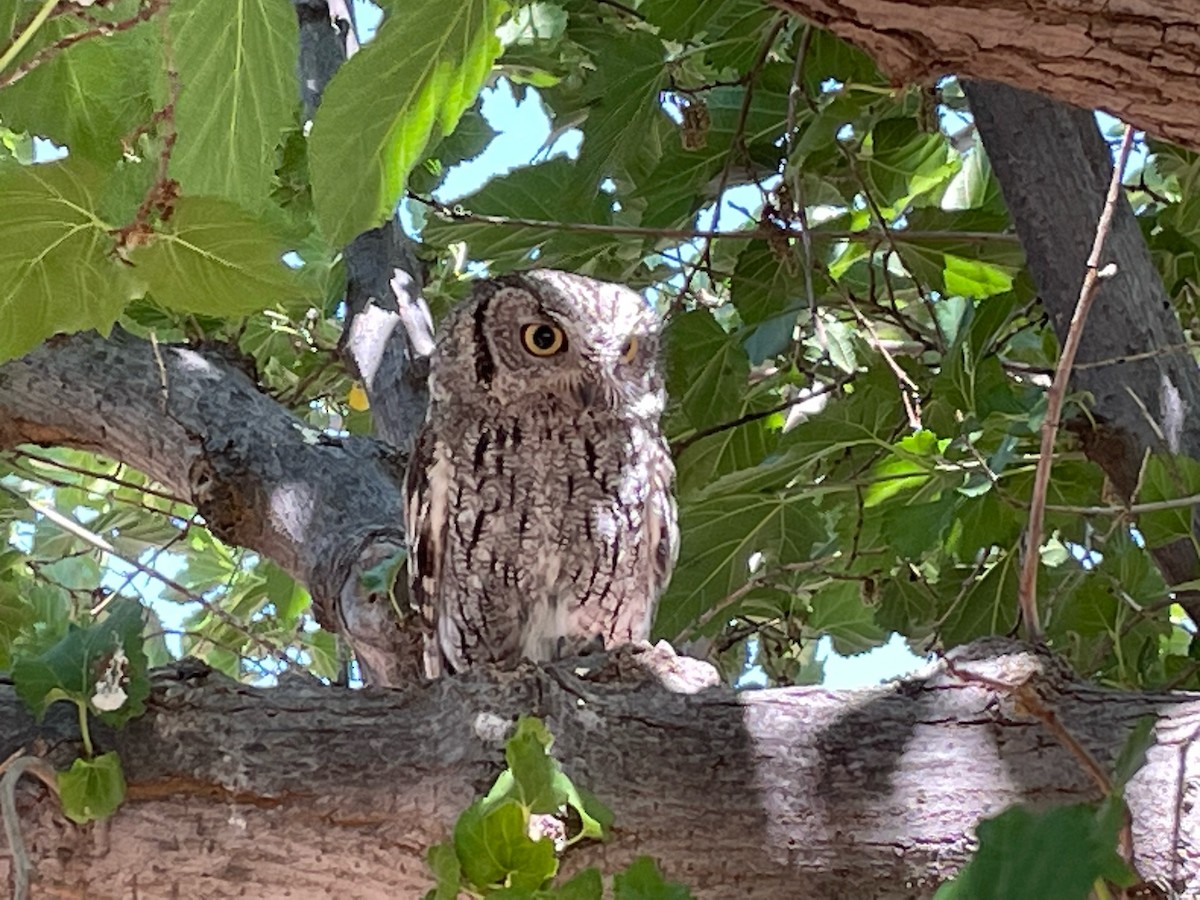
[1054, 169]
[1133, 58]
[304, 789]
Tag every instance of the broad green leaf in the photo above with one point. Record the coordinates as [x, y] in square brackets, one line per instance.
[214, 258]
[729, 450]
[470, 138]
[764, 285]
[407, 87]
[989, 606]
[100, 86]
[494, 848]
[1057, 853]
[621, 96]
[840, 612]
[102, 665]
[447, 872]
[17, 618]
[536, 781]
[587, 885]
[57, 271]
[707, 369]
[1168, 478]
[544, 192]
[237, 74]
[906, 162]
[643, 881]
[92, 789]
[720, 536]
[535, 773]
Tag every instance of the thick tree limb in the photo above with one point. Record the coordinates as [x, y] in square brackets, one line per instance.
[324, 509]
[767, 794]
[1053, 167]
[1136, 59]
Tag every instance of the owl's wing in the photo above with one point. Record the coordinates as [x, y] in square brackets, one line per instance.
[426, 488]
[662, 518]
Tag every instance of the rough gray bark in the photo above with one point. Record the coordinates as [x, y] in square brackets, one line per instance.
[304, 790]
[325, 509]
[1133, 58]
[1054, 168]
[386, 344]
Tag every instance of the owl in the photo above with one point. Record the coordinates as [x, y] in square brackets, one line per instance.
[541, 519]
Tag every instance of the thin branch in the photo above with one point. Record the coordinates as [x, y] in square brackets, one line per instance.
[1027, 596]
[69, 525]
[458, 214]
[98, 29]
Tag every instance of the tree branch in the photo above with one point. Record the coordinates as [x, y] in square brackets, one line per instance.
[849, 794]
[1092, 53]
[1054, 169]
[325, 509]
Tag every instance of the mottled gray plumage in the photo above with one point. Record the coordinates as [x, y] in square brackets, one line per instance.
[540, 514]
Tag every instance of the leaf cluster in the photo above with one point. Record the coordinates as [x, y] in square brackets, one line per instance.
[501, 847]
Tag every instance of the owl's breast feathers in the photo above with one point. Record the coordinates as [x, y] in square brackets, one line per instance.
[531, 539]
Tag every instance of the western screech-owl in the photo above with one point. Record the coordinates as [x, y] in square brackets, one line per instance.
[540, 513]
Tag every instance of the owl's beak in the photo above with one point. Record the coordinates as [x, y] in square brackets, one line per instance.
[592, 394]
[586, 393]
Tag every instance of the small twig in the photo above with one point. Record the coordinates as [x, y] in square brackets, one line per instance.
[1027, 595]
[72, 527]
[21, 40]
[910, 394]
[459, 214]
[99, 29]
[683, 443]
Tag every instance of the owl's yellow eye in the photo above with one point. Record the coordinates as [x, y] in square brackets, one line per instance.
[543, 339]
[629, 351]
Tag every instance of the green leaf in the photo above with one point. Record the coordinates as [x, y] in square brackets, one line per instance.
[100, 86]
[57, 272]
[470, 138]
[1058, 853]
[447, 872]
[720, 536]
[216, 259]
[102, 665]
[906, 162]
[587, 885]
[545, 192]
[989, 606]
[621, 96]
[17, 619]
[1167, 478]
[840, 612]
[707, 369]
[536, 774]
[237, 73]
[495, 850]
[1133, 753]
[92, 789]
[380, 111]
[643, 881]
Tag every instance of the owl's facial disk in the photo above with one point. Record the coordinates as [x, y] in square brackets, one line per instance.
[593, 353]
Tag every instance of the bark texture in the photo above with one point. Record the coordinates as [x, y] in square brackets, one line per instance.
[1136, 59]
[1054, 168]
[303, 790]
